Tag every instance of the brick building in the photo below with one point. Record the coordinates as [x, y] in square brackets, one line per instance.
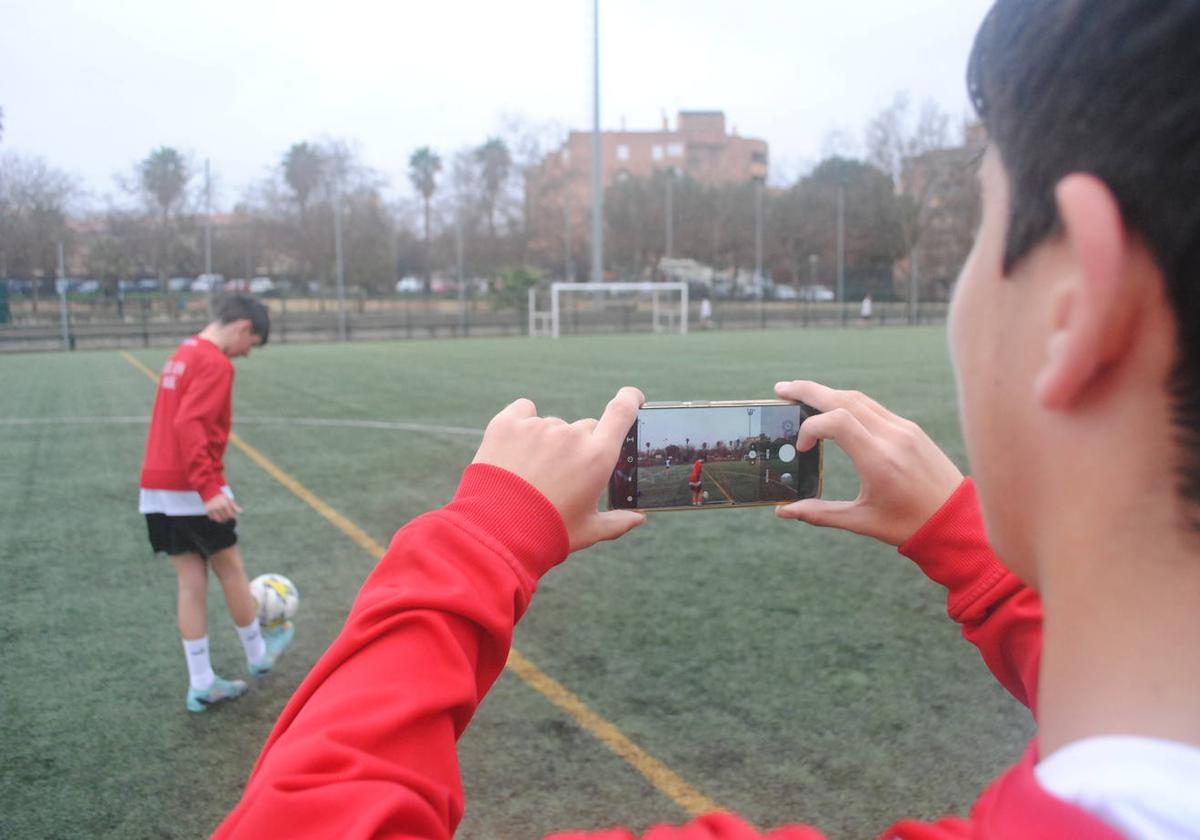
[558, 191]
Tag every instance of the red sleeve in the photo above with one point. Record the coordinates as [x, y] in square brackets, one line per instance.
[999, 614]
[367, 745]
[198, 427]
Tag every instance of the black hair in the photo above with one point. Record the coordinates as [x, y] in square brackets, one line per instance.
[1110, 88]
[243, 307]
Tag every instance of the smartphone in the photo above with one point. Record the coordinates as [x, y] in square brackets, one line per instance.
[704, 455]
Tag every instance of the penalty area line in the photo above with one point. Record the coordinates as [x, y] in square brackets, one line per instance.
[666, 780]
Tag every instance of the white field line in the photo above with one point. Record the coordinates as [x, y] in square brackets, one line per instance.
[266, 421]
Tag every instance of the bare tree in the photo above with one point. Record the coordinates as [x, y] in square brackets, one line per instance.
[423, 168]
[35, 200]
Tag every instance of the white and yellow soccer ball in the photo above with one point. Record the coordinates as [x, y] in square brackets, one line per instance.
[276, 599]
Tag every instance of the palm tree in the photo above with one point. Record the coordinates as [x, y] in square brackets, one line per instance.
[423, 167]
[494, 164]
[164, 176]
[303, 166]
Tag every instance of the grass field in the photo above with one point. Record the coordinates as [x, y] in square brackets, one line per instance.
[787, 672]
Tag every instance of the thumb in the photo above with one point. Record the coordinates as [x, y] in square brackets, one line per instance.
[819, 512]
[610, 525]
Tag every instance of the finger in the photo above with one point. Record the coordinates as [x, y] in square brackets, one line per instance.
[587, 424]
[236, 507]
[613, 524]
[826, 399]
[619, 416]
[518, 409]
[826, 514]
[840, 426]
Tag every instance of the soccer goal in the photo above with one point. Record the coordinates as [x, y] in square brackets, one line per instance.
[610, 307]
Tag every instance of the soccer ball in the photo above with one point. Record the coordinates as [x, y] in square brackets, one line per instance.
[275, 598]
[706, 494]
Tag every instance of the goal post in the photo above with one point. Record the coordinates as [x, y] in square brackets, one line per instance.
[666, 305]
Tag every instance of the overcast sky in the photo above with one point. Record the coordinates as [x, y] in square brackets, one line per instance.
[93, 85]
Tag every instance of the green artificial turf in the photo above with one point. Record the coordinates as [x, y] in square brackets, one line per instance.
[788, 672]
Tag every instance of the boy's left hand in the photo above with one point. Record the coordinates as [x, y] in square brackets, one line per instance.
[570, 463]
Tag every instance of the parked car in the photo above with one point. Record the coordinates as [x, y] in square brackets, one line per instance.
[179, 284]
[205, 283]
[409, 286]
[146, 284]
[817, 294]
[261, 285]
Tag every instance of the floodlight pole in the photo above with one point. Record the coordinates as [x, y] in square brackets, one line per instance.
[670, 249]
[62, 300]
[597, 195]
[212, 287]
[841, 249]
[462, 286]
[337, 248]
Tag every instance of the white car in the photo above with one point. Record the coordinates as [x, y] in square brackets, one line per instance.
[205, 283]
[409, 286]
[261, 285]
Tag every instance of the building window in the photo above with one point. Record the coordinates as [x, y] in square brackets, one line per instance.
[758, 157]
[622, 151]
[566, 157]
[675, 150]
[623, 175]
[656, 151]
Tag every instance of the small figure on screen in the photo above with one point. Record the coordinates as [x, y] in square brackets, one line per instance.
[696, 482]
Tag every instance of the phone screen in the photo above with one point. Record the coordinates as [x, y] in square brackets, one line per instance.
[707, 455]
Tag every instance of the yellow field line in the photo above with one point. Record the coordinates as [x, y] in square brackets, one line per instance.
[719, 485]
[670, 783]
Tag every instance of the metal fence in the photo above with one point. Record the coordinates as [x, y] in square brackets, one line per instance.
[156, 320]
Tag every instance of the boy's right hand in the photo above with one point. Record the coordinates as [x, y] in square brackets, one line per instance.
[569, 463]
[904, 476]
[221, 508]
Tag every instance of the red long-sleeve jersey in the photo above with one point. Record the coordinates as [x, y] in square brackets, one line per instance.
[189, 428]
[367, 745]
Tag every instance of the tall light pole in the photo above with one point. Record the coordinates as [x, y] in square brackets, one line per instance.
[212, 287]
[337, 255]
[841, 249]
[670, 245]
[597, 195]
[758, 232]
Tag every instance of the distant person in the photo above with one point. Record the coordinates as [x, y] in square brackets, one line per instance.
[706, 322]
[696, 482]
[189, 507]
[864, 312]
[1074, 330]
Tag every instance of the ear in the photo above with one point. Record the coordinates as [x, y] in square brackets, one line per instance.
[1092, 304]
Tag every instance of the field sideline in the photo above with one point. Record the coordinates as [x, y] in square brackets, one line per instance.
[785, 672]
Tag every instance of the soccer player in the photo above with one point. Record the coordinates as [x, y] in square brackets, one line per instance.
[696, 482]
[1071, 558]
[190, 510]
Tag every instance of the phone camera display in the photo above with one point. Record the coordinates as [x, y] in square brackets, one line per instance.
[682, 457]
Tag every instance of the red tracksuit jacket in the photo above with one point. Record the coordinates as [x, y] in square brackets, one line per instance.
[193, 410]
[366, 747]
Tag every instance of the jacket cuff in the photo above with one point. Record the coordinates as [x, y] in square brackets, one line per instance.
[515, 513]
[209, 490]
[952, 549]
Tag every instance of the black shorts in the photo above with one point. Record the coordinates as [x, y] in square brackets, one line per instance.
[190, 534]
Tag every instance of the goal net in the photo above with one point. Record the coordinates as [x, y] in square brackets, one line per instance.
[578, 308]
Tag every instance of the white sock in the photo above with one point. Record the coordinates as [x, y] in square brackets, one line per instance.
[200, 670]
[252, 641]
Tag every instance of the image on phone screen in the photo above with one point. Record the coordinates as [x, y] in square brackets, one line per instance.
[705, 455]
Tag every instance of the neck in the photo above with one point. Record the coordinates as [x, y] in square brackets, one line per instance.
[216, 333]
[1121, 649]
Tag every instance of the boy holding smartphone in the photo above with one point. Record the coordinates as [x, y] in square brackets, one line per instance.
[1075, 332]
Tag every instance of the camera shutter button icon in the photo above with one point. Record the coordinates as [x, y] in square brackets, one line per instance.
[629, 458]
